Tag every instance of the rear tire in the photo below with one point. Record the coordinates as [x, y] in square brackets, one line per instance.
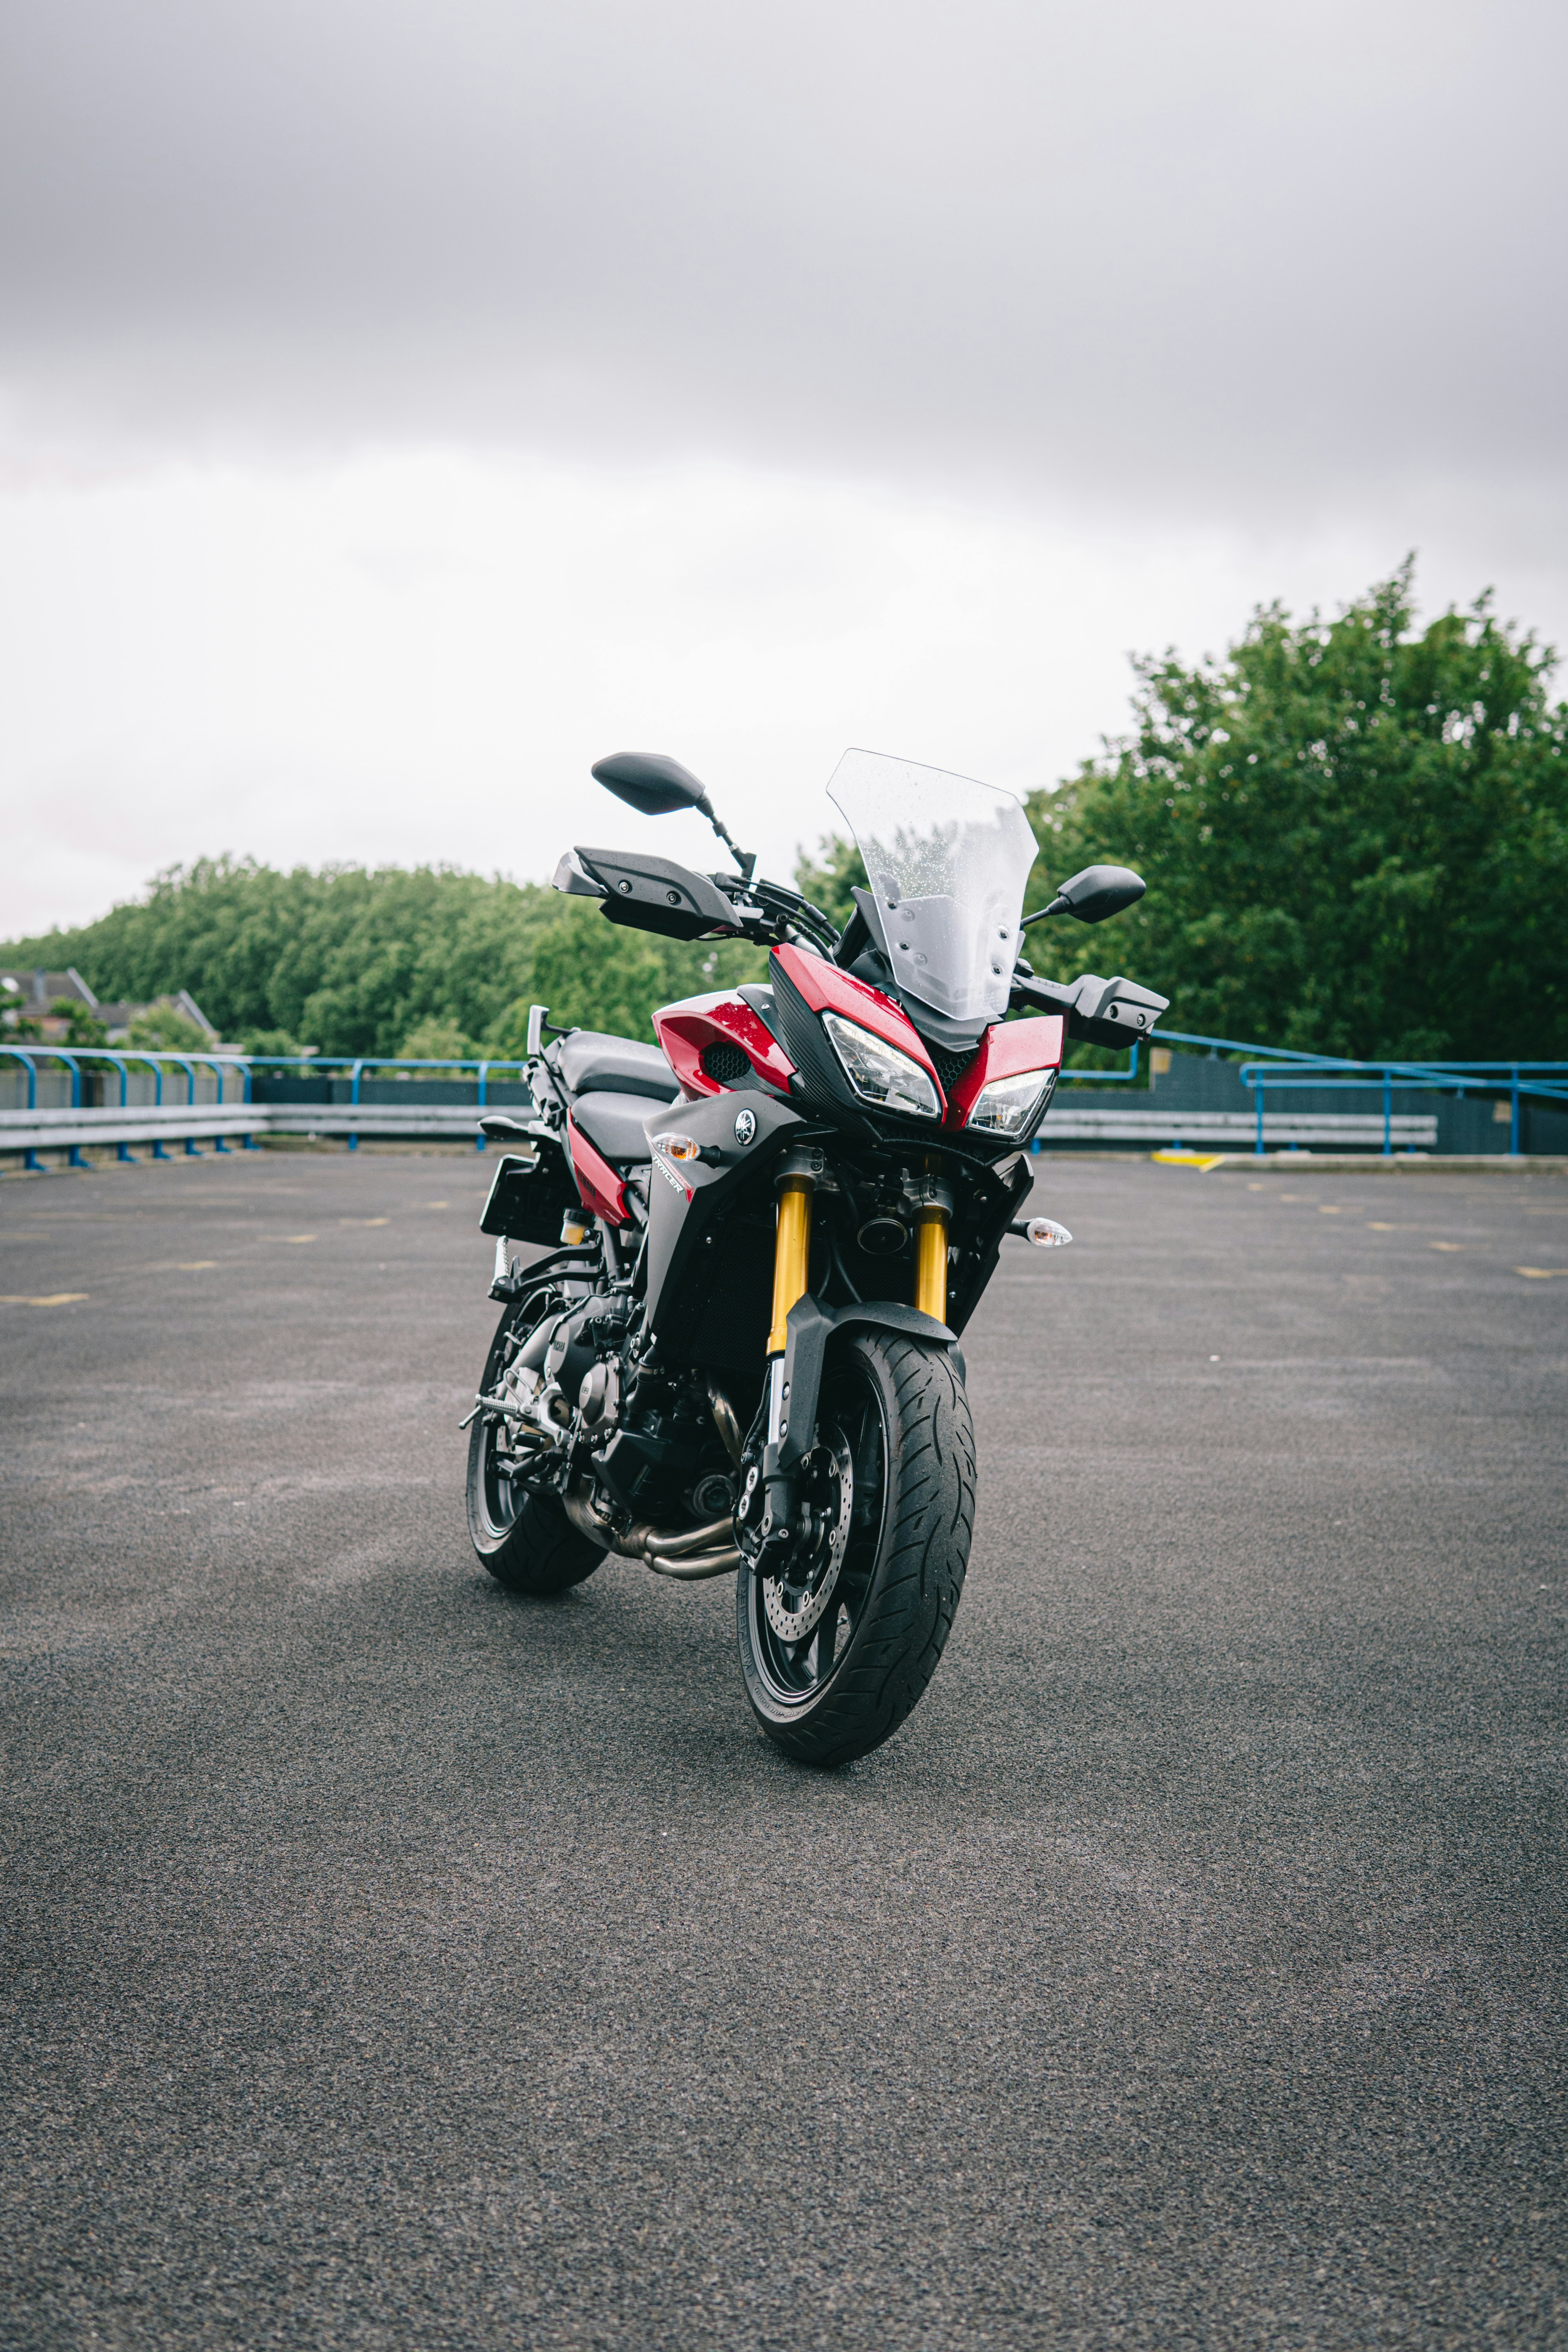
[526, 1541]
[897, 1410]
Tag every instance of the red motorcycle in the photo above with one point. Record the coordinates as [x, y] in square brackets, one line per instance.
[740, 1353]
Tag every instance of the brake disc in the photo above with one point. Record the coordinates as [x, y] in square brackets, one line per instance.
[795, 1602]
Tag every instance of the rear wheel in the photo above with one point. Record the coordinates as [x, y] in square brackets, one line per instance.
[526, 1541]
[837, 1649]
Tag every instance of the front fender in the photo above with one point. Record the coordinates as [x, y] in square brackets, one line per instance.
[808, 1329]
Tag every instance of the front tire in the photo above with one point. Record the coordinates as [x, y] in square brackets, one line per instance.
[525, 1541]
[838, 1652]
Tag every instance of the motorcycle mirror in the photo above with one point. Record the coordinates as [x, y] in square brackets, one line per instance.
[1091, 895]
[651, 782]
[656, 785]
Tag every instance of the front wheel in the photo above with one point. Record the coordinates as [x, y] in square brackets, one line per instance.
[838, 1647]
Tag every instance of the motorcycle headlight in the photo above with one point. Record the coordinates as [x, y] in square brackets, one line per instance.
[1011, 1105]
[879, 1073]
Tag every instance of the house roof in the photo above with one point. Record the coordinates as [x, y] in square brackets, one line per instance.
[34, 987]
[33, 991]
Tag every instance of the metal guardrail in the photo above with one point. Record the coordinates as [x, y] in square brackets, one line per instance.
[1230, 1130]
[79, 1125]
[356, 1065]
[1266, 1071]
[1271, 1070]
[56, 1126]
[1449, 1077]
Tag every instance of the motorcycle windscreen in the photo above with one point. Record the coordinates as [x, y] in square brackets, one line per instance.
[948, 860]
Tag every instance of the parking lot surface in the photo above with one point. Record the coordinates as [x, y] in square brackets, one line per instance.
[391, 1962]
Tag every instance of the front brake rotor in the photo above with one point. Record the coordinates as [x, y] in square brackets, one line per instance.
[796, 1597]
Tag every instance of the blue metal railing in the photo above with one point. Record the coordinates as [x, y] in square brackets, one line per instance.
[1263, 1075]
[246, 1064]
[118, 1057]
[1268, 1069]
[1274, 1069]
[1518, 1078]
[356, 1065]
[1105, 1077]
[1213, 1046]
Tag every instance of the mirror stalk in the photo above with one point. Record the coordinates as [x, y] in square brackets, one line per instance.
[1058, 906]
[1098, 892]
[654, 785]
[744, 858]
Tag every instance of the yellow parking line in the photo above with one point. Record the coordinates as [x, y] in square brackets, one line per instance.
[55, 1298]
[1447, 1246]
[1202, 1160]
[298, 1237]
[1542, 1273]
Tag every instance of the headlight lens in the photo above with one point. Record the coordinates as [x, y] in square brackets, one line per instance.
[879, 1073]
[1011, 1105]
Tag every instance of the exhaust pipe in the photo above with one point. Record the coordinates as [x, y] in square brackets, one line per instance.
[691, 1568]
[726, 1424]
[686, 1553]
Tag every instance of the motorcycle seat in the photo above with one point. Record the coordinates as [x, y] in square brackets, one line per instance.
[614, 1125]
[592, 1063]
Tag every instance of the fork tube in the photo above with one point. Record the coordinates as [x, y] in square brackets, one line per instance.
[792, 1250]
[931, 1260]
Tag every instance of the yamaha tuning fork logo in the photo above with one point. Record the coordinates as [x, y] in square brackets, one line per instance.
[745, 1126]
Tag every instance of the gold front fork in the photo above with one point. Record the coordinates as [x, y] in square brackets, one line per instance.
[932, 1218]
[791, 1249]
[931, 1260]
[791, 1252]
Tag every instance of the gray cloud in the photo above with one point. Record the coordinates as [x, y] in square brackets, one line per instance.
[1248, 259]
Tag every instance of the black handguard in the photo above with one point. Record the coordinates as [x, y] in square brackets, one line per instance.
[648, 894]
[1114, 1012]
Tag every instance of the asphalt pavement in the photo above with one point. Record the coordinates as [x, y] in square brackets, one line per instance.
[390, 1962]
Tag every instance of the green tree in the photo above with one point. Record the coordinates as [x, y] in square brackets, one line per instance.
[357, 961]
[435, 1039]
[347, 959]
[828, 879]
[83, 1027]
[1355, 837]
[592, 975]
[165, 1027]
[267, 1041]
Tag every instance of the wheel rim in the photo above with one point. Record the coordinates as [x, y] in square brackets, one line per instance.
[501, 1495]
[805, 1619]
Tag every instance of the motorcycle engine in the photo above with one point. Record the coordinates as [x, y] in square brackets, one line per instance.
[583, 1360]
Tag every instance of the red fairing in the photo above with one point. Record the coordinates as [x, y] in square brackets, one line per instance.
[602, 1189]
[685, 1031]
[1006, 1051]
[827, 990]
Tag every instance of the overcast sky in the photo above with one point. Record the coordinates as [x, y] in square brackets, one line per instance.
[400, 405]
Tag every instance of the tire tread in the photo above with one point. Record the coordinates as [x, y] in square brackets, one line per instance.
[919, 1578]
